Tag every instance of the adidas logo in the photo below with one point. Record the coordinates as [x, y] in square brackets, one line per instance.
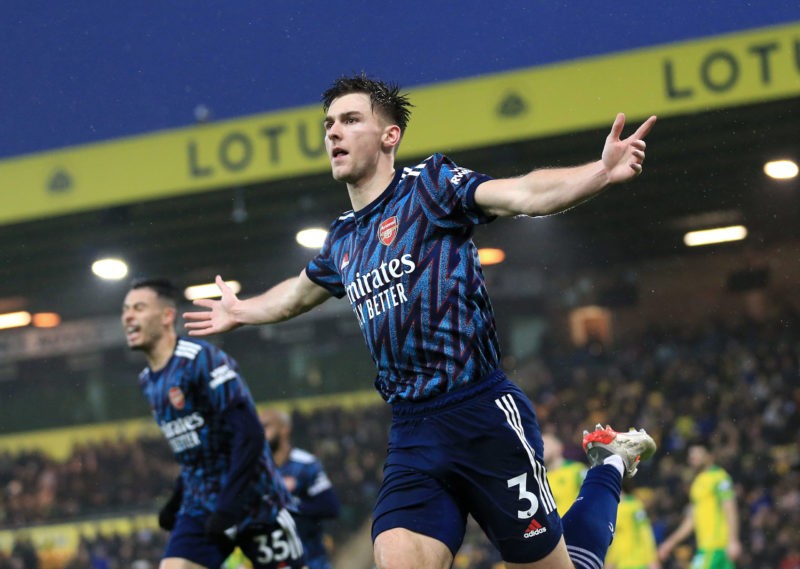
[534, 529]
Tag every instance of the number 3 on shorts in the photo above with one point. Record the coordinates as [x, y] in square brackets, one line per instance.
[522, 482]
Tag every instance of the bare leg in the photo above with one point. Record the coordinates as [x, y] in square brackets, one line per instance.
[400, 548]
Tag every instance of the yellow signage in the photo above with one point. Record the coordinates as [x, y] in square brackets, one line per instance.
[667, 80]
[65, 538]
[59, 443]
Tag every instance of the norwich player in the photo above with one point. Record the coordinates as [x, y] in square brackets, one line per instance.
[712, 514]
[634, 545]
[564, 476]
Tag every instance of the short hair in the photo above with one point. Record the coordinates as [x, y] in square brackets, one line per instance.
[386, 97]
[163, 288]
[699, 441]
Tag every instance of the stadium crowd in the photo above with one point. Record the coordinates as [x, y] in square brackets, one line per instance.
[733, 383]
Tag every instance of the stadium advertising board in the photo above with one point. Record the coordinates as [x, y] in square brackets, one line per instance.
[668, 80]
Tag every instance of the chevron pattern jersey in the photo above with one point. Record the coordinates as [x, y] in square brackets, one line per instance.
[188, 398]
[408, 267]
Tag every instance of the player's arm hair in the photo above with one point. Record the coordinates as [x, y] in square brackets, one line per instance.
[541, 192]
[246, 449]
[283, 301]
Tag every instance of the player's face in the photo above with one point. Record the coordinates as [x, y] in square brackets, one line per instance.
[273, 430]
[353, 135]
[698, 457]
[552, 448]
[144, 317]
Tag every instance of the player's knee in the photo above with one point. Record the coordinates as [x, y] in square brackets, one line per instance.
[403, 549]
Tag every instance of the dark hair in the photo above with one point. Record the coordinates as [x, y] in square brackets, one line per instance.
[385, 96]
[699, 441]
[163, 288]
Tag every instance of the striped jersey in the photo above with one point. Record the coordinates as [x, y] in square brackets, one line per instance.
[634, 545]
[409, 268]
[709, 490]
[307, 480]
[188, 398]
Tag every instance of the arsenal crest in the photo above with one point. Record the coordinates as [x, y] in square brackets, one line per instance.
[176, 398]
[388, 230]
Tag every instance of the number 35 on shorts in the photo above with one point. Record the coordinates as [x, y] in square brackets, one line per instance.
[525, 495]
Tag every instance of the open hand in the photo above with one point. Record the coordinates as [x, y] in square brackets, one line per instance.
[219, 316]
[623, 157]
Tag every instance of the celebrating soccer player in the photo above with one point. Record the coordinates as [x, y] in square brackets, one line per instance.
[464, 439]
[229, 492]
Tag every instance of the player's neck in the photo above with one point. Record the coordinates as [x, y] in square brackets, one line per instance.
[158, 357]
[365, 191]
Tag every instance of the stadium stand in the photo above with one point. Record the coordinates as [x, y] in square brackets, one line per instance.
[735, 383]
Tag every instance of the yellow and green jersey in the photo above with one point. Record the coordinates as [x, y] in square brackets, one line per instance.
[634, 544]
[710, 489]
[565, 482]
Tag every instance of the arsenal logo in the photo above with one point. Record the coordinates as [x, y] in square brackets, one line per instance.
[176, 398]
[388, 230]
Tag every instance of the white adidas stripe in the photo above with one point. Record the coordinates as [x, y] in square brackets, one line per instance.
[187, 350]
[286, 522]
[583, 558]
[509, 407]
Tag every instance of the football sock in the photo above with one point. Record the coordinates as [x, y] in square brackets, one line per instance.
[589, 523]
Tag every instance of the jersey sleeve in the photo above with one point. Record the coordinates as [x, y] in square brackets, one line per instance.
[322, 268]
[447, 193]
[220, 373]
[724, 488]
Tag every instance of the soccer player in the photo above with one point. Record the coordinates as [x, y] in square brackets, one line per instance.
[564, 476]
[712, 514]
[305, 478]
[464, 439]
[229, 492]
[634, 545]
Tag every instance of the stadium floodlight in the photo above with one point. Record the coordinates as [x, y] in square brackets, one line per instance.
[781, 169]
[14, 319]
[491, 256]
[110, 269]
[209, 290]
[46, 319]
[716, 235]
[311, 237]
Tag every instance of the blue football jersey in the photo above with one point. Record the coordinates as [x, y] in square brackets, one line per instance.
[409, 269]
[308, 481]
[188, 398]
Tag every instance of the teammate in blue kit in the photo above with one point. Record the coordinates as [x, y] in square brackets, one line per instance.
[464, 439]
[229, 492]
[307, 481]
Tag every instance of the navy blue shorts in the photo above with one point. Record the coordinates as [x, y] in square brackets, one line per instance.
[476, 450]
[266, 546]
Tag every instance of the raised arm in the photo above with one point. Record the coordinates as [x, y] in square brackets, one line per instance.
[285, 300]
[551, 190]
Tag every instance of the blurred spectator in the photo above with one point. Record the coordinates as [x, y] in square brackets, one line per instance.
[737, 385]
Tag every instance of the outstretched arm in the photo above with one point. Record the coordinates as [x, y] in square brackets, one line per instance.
[547, 191]
[285, 300]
